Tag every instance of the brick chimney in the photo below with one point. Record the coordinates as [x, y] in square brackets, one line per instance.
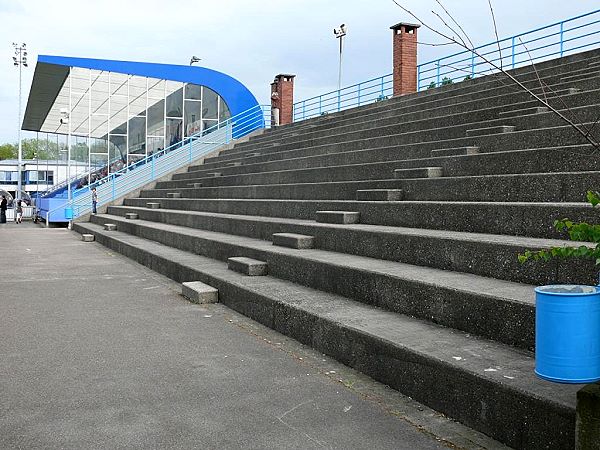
[405, 58]
[282, 99]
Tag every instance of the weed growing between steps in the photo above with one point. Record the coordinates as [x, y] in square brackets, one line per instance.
[579, 232]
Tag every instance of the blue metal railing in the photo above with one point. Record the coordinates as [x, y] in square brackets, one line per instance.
[558, 39]
[154, 166]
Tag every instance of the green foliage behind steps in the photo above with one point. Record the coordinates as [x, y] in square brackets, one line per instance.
[579, 232]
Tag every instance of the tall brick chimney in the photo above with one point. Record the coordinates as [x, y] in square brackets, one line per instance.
[405, 58]
[282, 99]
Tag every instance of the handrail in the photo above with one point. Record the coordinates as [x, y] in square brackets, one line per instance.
[171, 158]
[563, 38]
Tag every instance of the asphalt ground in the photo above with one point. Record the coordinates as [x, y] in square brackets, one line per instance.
[97, 351]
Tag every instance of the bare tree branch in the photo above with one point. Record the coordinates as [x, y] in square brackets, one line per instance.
[456, 23]
[496, 31]
[575, 126]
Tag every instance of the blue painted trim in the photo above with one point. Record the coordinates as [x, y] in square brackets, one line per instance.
[237, 97]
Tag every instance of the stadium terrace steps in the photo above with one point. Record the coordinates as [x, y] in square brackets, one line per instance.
[454, 372]
[389, 237]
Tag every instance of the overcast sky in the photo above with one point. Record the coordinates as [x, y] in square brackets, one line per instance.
[252, 40]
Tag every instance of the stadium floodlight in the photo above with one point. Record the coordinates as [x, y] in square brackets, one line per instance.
[20, 60]
[339, 33]
[194, 59]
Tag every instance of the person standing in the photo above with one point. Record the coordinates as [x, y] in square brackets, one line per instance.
[94, 200]
[3, 205]
[19, 211]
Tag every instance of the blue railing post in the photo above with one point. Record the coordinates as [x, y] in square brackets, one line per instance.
[358, 95]
[513, 51]
[303, 109]
[418, 78]
[190, 150]
[152, 169]
[562, 41]
[437, 83]
[320, 104]
[339, 98]
[382, 87]
[472, 65]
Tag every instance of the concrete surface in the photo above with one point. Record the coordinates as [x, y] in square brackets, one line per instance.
[99, 352]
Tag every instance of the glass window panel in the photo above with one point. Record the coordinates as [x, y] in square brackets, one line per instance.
[118, 148]
[118, 121]
[98, 146]
[137, 106]
[193, 121]
[210, 102]
[133, 158]
[156, 115]
[118, 83]
[98, 161]
[175, 104]
[155, 144]
[208, 126]
[193, 91]
[79, 149]
[156, 88]
[224, 112]
[137, 135]
[137, 87]
[173, 131]
[99, 126]
[32, 175]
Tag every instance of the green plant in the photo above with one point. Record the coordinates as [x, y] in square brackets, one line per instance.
[446, 81]
[468, 77]
[578, 231]
[432, 85]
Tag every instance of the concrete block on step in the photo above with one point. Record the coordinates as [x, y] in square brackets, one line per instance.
[87, 237]
[198, 292]
[293, 240]
[110, 226]
[342, 217]
[247, 266]
[379, 195]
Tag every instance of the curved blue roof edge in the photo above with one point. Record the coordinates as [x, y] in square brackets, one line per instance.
[237, 96]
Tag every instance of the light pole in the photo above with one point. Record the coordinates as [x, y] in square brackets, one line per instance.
[194, 59]
[20, 60]
[339, 34]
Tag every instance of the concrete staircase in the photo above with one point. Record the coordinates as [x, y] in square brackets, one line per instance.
[391, 234]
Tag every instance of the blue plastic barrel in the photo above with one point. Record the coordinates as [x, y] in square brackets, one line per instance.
[567, 333]
[68, 213]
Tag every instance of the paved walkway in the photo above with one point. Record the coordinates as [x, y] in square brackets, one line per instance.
[99, 352]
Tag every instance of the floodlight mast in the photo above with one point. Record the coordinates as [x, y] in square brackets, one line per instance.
[20, 60]
[339, 34]
[194, 59]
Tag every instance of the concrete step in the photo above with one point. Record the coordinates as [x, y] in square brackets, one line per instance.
[491, 130]
[456, 113]
[379, 195]
[419, 172]
[404, 145]
[558, 159]
[524, 112]
[449, 127]
[461, 151]
[530, 187]
[588, 75]
[477, 217]
[487, 255]
[423, 97]
[485, 385]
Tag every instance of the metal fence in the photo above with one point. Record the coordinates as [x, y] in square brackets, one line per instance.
[556, 40]
[154, 166]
